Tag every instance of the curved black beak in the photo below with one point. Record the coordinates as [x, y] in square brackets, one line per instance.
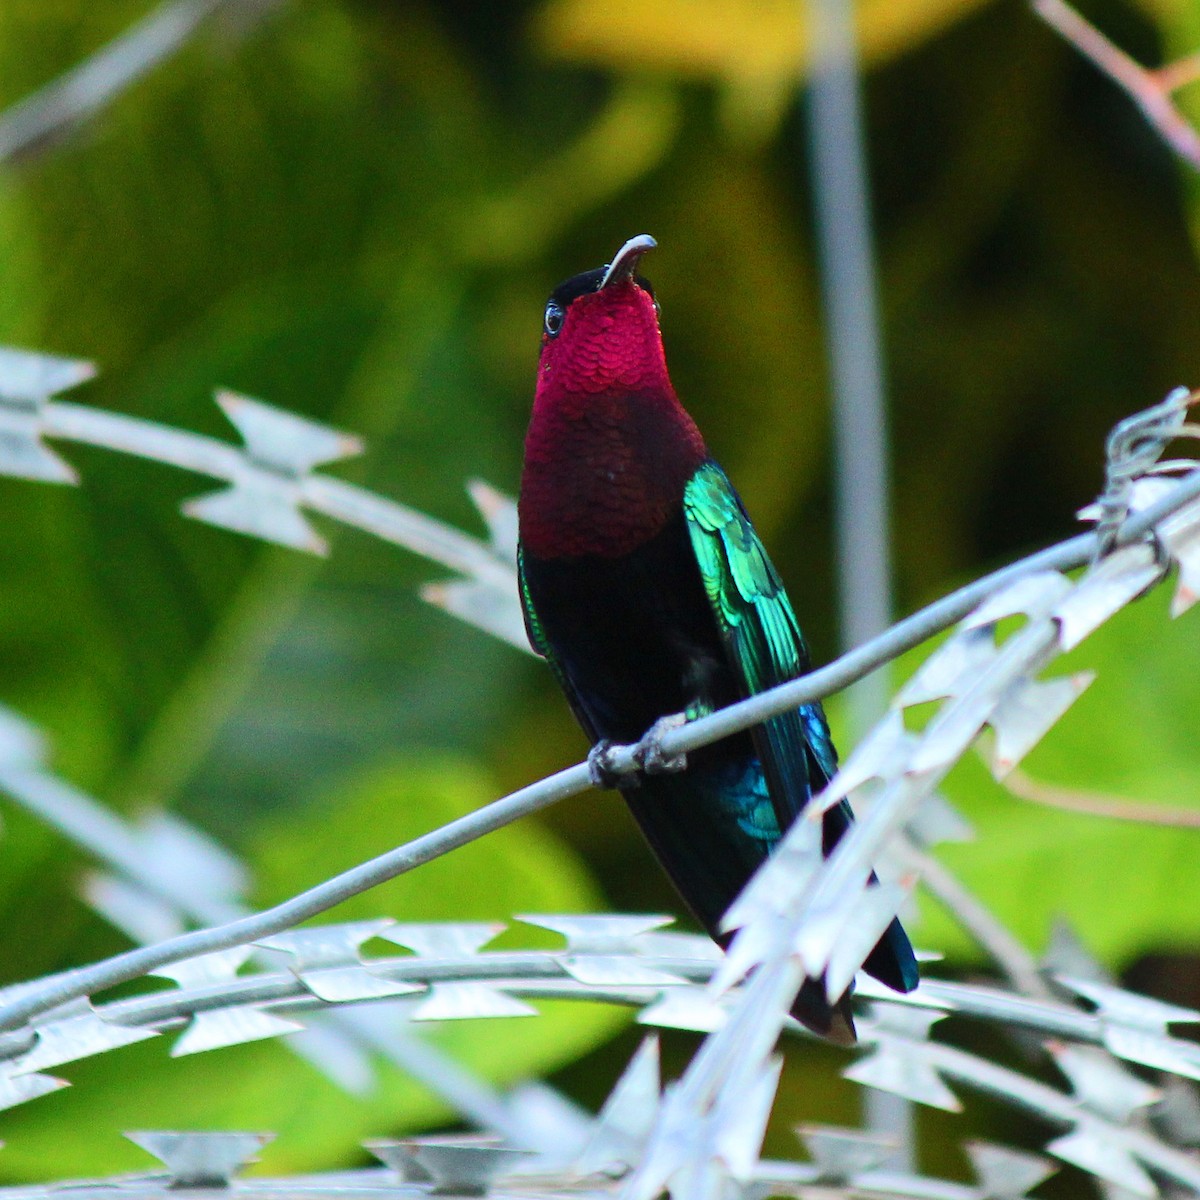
[625, 261]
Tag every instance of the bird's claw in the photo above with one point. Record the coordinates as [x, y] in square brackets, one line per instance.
[649, 753]
[601, 769]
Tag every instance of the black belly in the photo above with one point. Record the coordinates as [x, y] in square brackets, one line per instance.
[634, 636]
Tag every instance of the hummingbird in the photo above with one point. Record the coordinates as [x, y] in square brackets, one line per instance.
[651, 597]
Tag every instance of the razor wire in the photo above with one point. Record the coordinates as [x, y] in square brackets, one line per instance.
[161, 874]
[67, 103]
[702, 1135]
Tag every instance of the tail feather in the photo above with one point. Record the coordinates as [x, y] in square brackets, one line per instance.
[701, 840]
[832, 1021]
[892, 961]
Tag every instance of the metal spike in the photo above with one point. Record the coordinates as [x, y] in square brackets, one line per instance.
[1027, 712]
[602, 949]
[29, 375]
[230, 1027]
[341, 984]
[684, 1008]
[865, 925]
[950, 668]
[23, 454]
[485, 605]
[766, 935]
[400, 1157]
[550, 1123]
[1067, 955]
[1101, 1084]
[1141, 1012]
[1187, 590]
[27, 381]
[1152, 1050]
[280, 440]
[817, 937]
[937, 820]
[1036, 595]
[897, 1066]
[1091, 1147]
[1111, 584]
[75, 1037]
[781, 881]
[741, 1119]
[946, 739]
[871, 989]
[1006, 1174]
[466, 1001]
[261, 506]
[679, 1138]
[326, 960]
[201, 1160]
[444, 939]
[881, 755]
[840, 1154]
[600, 970]
[625, 1121]
[499, 513]
[280, 450]
[599, 933]
[898, 1016]
[462, 1167]
[18, 1089]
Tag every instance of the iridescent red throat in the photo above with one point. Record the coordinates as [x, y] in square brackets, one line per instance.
[609, 448]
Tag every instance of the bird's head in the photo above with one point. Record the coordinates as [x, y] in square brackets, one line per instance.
[600, 331]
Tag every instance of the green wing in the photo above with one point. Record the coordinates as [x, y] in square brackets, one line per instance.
[760, 635]
[533, 626]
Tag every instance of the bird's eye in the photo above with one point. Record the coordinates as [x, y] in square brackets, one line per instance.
[554, 318]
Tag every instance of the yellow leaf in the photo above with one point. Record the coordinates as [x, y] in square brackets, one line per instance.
[731, 41]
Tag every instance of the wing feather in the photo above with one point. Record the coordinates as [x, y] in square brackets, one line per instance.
[760, 636]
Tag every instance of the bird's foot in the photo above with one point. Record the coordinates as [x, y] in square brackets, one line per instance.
[601, 769]
[649, 753]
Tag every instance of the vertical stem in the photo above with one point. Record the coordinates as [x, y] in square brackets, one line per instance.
[860, 427]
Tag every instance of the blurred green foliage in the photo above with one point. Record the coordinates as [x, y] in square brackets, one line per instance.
[355, 212]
